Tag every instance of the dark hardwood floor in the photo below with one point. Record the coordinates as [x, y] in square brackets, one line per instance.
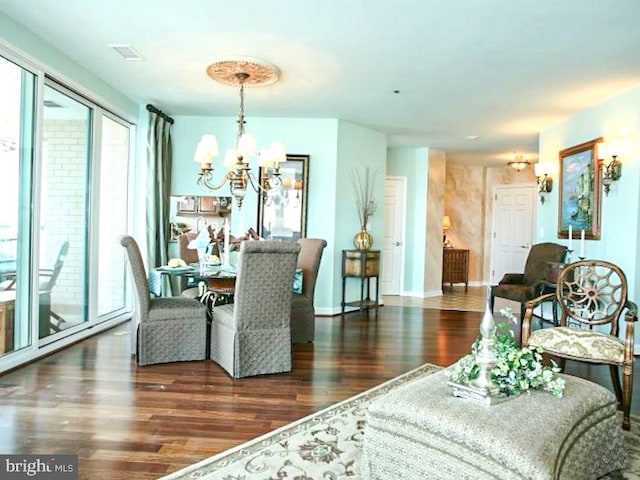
[130, 422]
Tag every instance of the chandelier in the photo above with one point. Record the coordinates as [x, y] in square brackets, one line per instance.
[519, 163]
[239, 174]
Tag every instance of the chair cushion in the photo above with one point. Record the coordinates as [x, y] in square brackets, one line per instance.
[579, 343]
[517, 293]
[191, 293]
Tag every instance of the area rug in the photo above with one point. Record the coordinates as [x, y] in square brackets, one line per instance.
[327, 445]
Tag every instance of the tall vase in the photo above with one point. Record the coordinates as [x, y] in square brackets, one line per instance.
[363, 240]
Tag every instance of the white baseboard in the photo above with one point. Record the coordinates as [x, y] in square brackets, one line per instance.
[333, 311]
[409, 293]
[434, 293]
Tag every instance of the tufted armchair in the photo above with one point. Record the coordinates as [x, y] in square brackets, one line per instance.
[303, 315]
[522, 287]
[171, 329]
[252, 336]
[591, 294]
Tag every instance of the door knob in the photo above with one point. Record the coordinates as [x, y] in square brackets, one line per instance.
[397, 244]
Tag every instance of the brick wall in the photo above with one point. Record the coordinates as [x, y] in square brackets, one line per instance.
[63, 211]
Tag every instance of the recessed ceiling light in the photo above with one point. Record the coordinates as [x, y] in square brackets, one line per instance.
[473, 137]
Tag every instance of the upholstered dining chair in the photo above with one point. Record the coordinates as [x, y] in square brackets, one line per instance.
[171, 329]
[252, 336]
[522, 287]
[189, 255]
[303, 315]
[591, 294]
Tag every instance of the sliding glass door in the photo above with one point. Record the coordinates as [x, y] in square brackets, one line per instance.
[113, 219]
[64, 203]
[64, 207]
[16, 156]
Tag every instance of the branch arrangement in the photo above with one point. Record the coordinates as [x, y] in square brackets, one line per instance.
[363, 192]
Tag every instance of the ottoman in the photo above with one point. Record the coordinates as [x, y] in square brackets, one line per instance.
[420, 431]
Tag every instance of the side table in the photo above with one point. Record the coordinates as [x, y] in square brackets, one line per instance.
[455, 267]
[365, 265]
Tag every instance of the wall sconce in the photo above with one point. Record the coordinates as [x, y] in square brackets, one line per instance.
[612, 171]
[545, 182]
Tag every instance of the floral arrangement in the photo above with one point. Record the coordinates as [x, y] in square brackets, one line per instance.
[363, 189]
[516, 370]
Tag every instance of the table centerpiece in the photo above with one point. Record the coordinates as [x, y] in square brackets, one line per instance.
[498, 369]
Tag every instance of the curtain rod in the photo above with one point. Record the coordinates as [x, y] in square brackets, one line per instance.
[153, 109]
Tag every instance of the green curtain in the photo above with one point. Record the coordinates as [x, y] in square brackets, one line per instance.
[159, 157]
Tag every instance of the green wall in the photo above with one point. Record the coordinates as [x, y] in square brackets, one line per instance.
[36, 49]
[333, 145]
[358, 148]
[617, 118]
[413, 164]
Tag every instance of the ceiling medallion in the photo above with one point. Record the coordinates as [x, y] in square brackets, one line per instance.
[259, 73]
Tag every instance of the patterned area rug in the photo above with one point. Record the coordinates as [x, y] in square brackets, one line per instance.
[327, 445]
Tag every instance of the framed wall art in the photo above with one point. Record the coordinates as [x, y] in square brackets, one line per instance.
[580, 189]
[282, 211]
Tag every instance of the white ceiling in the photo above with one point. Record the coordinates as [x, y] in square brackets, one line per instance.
[501, 69]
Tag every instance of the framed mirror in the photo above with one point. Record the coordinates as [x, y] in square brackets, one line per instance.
[282, 212]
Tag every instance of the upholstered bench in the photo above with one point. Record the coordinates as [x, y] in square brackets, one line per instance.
[420, 431]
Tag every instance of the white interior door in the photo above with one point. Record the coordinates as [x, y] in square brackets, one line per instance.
[393, 240]
[513, 229]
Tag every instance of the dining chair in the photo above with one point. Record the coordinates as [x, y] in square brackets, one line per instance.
[171, 329]
[522, 287]
[252, 336]
[592, 295]
[189, 255]
[303, 315]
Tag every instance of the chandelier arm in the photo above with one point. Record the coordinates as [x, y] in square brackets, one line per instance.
[206, 180]
[257, 187]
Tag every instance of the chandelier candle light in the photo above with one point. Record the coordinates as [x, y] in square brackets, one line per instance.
[243, 72]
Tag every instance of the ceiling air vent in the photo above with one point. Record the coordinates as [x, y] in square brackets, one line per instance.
[51, 104]
[127, 52]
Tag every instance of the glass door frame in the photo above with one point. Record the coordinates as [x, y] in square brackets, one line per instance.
[26, 296]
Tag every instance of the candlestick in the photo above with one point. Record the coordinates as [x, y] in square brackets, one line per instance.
[226, 242]
[570, 236]
[582, 243]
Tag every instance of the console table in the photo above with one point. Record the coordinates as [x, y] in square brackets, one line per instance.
[365, 265]
[455, 267]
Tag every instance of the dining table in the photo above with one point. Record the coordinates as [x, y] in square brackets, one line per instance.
[216, 276]
[220, 278]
